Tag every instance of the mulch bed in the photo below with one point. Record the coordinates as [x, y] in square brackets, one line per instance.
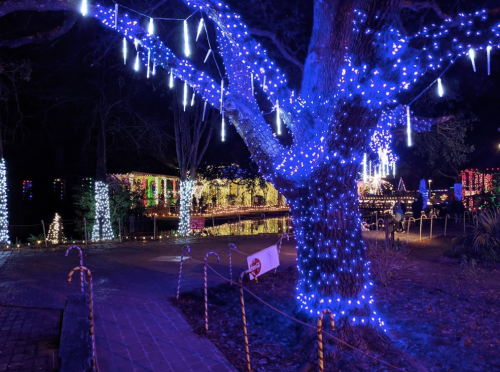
[438, 312]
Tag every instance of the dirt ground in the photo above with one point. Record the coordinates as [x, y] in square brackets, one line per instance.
[442, 313]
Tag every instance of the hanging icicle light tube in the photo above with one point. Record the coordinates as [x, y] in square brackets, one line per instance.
[200, 28]
[151, 27]
[440, 88]
[187, 51]
[472, 55]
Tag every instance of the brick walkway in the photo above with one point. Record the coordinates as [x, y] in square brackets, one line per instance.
[153, 336]
[29, 339]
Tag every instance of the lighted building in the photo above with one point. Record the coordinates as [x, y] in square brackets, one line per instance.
[478, 186]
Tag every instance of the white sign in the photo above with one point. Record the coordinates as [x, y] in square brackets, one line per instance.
[263, 261]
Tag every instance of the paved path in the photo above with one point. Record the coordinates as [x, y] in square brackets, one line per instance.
[137, 326]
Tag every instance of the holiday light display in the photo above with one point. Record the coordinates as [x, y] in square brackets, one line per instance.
[186, 193]
[318, 172]
[55, 234]
[4, 212]
[102, 214]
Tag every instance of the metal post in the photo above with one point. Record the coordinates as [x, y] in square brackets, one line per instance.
[446, 223]
[101, 222]
[421, 223]
[44, 235]
[119, 229]
[154, 227]
[464, 222]
[85, 226]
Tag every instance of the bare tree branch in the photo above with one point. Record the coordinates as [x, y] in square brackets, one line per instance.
[284, 50]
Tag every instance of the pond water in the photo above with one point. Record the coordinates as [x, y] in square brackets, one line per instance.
[254, 226]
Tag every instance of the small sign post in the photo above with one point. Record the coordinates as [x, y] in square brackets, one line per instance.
[197, 223]
[263, 261]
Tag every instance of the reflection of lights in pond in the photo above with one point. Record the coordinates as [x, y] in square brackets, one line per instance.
[253, 227]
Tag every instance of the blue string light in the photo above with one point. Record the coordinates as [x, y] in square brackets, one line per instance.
[321, 142]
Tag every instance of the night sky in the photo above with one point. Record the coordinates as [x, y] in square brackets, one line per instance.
[50, 138]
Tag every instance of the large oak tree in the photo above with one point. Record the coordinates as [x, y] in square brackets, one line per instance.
[359, 59]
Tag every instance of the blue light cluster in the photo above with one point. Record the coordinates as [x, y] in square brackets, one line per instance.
[318, 172]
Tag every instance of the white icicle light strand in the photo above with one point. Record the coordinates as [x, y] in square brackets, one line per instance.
[124, 51]
[192, 99]
[472, 55]
[171, 79]
[204, 110]
[208, 54]
[488, 52]
[408, 125]
[278, 117]
[84, 8]
[187, 51]
[200, 28]
[116, 16]
[149, 58]
[223, 128]
[185, 94]
[151, 27]
[136, 64]
[440, 87]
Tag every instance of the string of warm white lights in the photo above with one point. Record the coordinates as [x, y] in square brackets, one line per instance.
[186, 194]
[102, 214]
[4, 212]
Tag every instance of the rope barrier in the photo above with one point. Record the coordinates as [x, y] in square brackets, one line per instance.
[305, 324]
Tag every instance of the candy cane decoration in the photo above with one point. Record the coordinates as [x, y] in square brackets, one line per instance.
[243, 315]
[180, 268]
[320, 336]
[91, 311]
[205, 285]
[230, 264]
[432, 217]
[80, 256]
[408, 229]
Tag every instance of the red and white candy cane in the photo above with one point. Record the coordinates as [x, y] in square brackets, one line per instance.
[180, 268]
[320, 336]
[230, 264]
[206, 291]
[242, 300]
[80, 255]
[91, 311]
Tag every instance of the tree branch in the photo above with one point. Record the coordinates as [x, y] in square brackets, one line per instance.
[419, 5]
[284, 50]
[10, 6]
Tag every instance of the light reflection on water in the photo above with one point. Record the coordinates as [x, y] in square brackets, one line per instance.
[275, 225]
